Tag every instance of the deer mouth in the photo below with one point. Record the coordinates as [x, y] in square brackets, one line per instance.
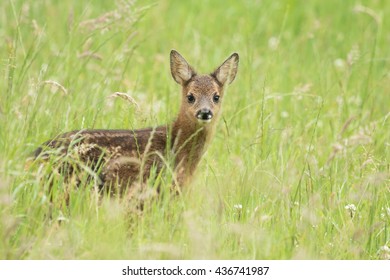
[201, 121]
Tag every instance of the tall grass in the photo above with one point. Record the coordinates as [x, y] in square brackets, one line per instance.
[299, 167]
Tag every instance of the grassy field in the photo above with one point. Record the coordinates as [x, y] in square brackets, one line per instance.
[299, 167]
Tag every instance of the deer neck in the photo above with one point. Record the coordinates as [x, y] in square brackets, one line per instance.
[189, 141]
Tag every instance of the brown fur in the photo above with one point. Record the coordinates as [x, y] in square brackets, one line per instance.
[123, 158]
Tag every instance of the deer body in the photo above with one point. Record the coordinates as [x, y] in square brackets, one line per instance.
[125, 157]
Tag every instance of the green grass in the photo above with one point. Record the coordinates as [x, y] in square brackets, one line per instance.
[304, 131]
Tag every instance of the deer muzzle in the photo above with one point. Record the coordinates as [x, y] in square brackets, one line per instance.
[204, 115]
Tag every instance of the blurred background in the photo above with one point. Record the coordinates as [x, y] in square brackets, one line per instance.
[304, 133]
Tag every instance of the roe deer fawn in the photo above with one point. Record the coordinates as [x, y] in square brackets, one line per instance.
[123, 158]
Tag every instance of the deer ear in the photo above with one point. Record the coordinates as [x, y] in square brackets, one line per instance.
[228, 70]
[181, 71]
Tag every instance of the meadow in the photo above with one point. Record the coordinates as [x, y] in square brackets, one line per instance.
[299, 166]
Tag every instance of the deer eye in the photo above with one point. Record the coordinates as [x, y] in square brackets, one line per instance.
[216, 98]
[191, 98]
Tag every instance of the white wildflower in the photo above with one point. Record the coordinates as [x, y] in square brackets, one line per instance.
[273, 43]
[284, 114]
[237, 206]
[384, 252]
[351, 208]
[339, 64]
[385, 248]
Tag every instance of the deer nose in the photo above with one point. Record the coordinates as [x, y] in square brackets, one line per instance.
[204, 115]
